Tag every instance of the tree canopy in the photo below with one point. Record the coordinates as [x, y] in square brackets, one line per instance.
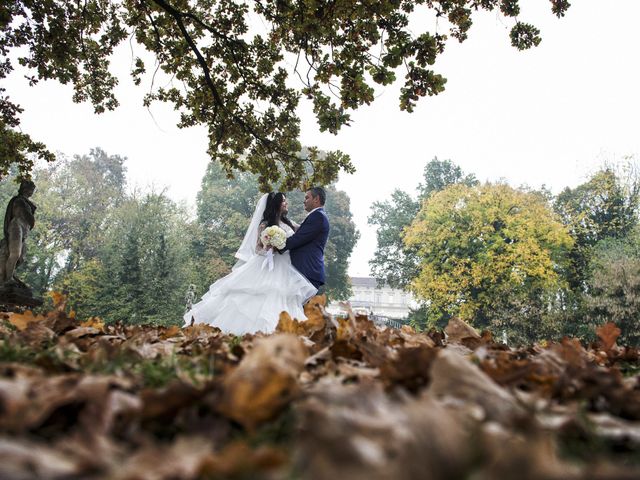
[118, 255]
[227, 66]
[614, 285]
[394, 261]
[486, 246]
[604, 207]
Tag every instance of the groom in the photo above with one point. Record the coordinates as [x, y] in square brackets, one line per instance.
[307, 244]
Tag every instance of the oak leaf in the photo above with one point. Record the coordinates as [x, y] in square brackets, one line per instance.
[238, 459]
[459, 331]
[265, 381]
[608, 334]
[287, 324]
[59, 300]
[185, 458]
[455, 376]
[94, 322]
[172, 331]
[22, 320]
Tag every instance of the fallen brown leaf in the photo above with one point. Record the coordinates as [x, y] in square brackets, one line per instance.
[455, 376]
[458, 331]
[265, 381]
[22, 320]
[608, 334]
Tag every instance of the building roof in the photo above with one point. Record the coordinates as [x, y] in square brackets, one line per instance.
[364, 282]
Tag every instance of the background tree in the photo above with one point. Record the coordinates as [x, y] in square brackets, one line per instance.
[604, 207]
[86, 189]
[75, 198]
[613, 293]
[233, 78]
[439, 174]
[142, 270]
[394, 262]
[118, 256]
[485, 250]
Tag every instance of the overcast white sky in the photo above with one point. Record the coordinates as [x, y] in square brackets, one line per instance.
[549, 116]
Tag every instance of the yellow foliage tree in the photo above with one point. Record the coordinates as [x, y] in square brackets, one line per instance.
[486, 248]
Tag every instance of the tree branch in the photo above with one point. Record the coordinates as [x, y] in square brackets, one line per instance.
[178, 16]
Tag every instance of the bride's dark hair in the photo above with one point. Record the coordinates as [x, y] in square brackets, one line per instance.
[272, 210]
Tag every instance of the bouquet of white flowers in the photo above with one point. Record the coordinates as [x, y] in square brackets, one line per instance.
[273, 236]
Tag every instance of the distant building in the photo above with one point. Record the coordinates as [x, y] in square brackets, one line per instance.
[374, 299]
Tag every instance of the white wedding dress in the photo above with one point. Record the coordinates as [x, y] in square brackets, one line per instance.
[251, 298]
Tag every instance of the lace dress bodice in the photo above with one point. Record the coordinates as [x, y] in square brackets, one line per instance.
[287, 229]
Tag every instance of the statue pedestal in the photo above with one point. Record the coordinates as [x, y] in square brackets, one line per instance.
[16, 295]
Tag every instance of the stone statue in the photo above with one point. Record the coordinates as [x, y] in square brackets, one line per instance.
[19, 219]
[190, 297]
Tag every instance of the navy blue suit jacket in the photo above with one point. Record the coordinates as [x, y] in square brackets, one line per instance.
[307, 247]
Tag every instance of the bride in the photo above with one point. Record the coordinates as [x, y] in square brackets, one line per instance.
[251, 297]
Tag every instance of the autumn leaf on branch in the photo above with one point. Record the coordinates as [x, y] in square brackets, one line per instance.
[228, 67]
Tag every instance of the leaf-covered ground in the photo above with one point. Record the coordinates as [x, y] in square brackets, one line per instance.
[319, 400]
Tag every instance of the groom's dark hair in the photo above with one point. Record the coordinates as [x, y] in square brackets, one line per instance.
[271, 211]
[319, 192]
